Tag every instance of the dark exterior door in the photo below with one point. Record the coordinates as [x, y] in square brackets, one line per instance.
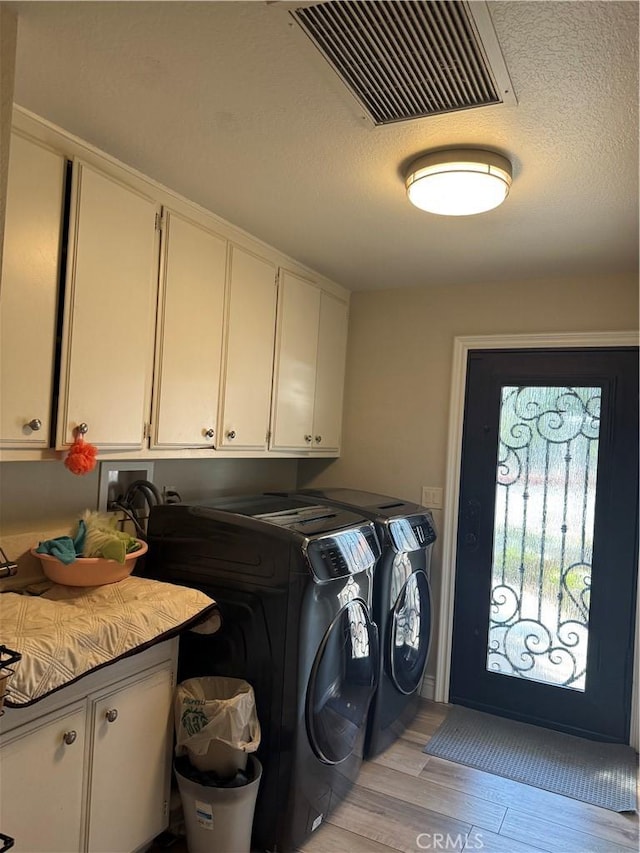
[547, 560]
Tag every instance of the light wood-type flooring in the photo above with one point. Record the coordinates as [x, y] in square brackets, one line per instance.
[406, 800]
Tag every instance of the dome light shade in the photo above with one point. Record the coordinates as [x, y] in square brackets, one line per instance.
[458, 182]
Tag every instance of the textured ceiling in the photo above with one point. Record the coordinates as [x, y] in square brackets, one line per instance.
[230, 105]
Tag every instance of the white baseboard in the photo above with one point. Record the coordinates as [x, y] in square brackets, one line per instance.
[428, 689]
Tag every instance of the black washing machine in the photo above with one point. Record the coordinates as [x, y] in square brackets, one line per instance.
[293, 584]
[401, 605]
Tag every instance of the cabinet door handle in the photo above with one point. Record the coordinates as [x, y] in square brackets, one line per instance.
[231, 434]
[82, 429]
[318, 439]
[69, 737]
[209, 433]
[308, 439]
[35, 424]
[112, 715]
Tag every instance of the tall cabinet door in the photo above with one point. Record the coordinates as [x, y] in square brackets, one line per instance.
[251, 325]
[332, 353]
[295, 367]
[28, 292]
[110, 312]
[190, 335]
[129, 799]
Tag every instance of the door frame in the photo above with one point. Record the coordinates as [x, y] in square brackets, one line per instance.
[461, 347]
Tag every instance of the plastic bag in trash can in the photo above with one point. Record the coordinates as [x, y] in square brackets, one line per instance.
[216, 723]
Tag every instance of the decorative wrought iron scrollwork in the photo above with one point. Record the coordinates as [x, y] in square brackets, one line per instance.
[545, 497]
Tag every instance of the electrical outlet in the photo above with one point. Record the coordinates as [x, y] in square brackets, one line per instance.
[432, 497]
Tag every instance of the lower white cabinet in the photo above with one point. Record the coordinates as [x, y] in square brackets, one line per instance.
[92, 774]
[41, 783]
[129, 797]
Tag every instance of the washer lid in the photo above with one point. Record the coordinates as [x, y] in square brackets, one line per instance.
[282, 511]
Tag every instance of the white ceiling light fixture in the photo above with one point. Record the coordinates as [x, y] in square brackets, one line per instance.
[458, 181]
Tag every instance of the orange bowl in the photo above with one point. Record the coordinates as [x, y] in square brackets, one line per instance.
[89, 571]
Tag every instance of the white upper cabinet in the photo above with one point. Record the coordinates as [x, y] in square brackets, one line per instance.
[330, 368]
[295, 363]
[28, 292]
[310, 365]
[248, 368]
[191, 320]
[108, 342]
[163, 329]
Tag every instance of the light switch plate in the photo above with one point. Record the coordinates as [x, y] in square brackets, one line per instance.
[432, 497]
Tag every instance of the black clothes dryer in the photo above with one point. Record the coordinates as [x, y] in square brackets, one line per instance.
[401, 605]
[293, 585]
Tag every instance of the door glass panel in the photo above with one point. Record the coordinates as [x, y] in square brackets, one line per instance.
[342, 684]
[543, 534]
[411, 632]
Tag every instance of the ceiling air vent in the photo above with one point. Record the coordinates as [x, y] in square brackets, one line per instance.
[406, 59]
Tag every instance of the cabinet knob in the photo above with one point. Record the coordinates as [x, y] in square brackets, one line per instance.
[318, 439]
[82, 429]
[308, 439]
[111, 715]
[69, 737]
[34, 424]
[209, 433]
[231, 434]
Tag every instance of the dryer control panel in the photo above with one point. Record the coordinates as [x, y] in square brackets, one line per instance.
[411, 533]
[343, 553]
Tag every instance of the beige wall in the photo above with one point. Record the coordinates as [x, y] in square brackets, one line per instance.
[44, 495]
[399, 371]
[8, 33]
[399, 367]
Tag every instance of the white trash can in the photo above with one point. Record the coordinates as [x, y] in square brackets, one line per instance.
[216, 723]
[219, 819]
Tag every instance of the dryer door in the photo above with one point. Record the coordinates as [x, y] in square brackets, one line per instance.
[342, 683]
[410, 634]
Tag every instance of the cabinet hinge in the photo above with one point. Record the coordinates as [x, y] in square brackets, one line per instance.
[165, 808]
[268, 436]
[277, 277]
[146, 431]
[158, 222]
